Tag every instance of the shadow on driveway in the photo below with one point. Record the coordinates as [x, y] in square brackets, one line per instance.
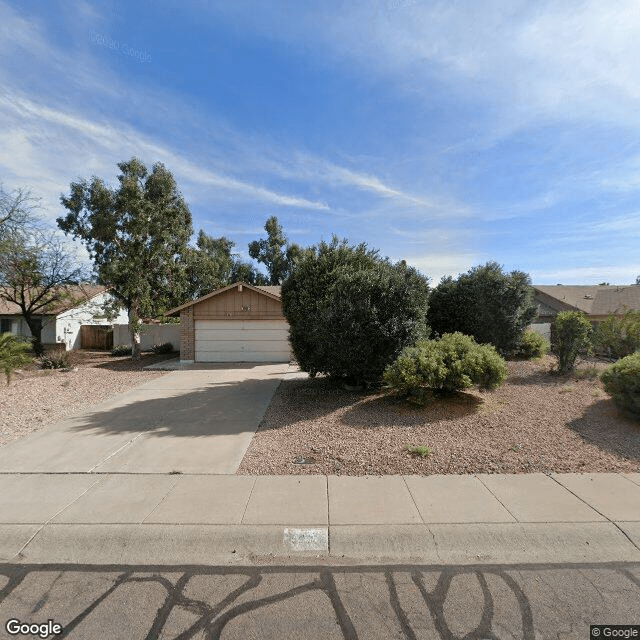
[214, 409]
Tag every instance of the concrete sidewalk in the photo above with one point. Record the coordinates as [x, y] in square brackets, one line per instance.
[230, 519]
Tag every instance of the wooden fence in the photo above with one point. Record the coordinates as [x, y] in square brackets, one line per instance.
[95, 336]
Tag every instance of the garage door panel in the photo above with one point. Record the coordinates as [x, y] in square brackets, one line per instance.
[234, 325]
[235, 356]
[239, 345]
[218, 334]
[242, 341]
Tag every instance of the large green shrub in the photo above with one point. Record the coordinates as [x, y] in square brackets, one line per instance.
[447, 365]
[533, 345]
[351, 312]
[570, 335]
[486, 303]
[622, 381]
[13, 354]
[619, 336]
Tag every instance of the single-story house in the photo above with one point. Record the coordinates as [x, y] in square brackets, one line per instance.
[238, 323]
[596, 301]
[61, 324]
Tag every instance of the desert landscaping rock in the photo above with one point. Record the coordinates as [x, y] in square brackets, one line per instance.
[535, 422]
[37, 398]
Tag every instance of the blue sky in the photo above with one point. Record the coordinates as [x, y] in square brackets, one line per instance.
[443, 133]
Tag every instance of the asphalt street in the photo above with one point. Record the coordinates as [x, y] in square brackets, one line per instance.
[533, 602]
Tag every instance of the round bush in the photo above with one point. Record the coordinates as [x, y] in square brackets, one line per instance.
[447, 365]
[533, 345]
[351, 312]
[622, 381]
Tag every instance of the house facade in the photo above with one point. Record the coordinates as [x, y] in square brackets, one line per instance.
[62, 324]
[238, 323]
[595, 301]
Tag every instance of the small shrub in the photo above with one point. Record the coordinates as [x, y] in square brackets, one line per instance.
[165, 347]
[533, 345]
[570, 335]
[618, 337]
[121, 350]
[587, 373]
[622, 381]
[54, 360]
[447, 365]
[419, 449]
[13, 354]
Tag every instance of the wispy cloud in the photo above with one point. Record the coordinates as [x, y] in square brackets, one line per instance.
[588, 274]
[122, 141]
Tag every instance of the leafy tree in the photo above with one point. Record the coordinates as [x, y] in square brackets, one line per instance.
[570, 334]
[136, 235]
[444, 366]
[37, 273]
[13, 354]
[276, 253]
[211, 265]
[486, 303]
[351, 312]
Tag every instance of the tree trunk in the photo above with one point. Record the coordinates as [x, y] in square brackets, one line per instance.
[35, 326]
[134, 321]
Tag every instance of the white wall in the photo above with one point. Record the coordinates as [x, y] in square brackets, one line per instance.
[150, 334]
[68, 323]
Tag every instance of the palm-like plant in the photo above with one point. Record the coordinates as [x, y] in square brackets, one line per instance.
[13, 354]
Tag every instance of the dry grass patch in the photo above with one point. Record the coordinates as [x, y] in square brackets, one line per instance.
[534, 422]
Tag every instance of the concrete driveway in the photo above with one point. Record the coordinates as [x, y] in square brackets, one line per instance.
[193, 421]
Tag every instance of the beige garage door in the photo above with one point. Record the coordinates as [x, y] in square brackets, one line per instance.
[242, 341]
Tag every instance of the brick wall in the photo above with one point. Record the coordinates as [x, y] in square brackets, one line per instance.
[187, 335]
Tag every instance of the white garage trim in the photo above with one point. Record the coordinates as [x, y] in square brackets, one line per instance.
[242, 341]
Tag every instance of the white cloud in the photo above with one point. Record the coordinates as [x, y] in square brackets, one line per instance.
[35, 126]
[587, 274]
[437, 265]
[531, 61]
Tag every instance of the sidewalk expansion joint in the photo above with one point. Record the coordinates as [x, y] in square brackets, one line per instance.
[246, 504]
[615, 524]
[164, 497]
[504, 506]
[55, 515]
[124, 446]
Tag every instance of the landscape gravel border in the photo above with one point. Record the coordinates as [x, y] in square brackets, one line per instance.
[535, 422]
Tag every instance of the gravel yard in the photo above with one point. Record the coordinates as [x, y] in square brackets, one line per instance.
[534, 422]
[36, 398]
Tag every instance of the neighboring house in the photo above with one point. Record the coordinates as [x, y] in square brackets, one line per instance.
[596, 301]
[62, 323]
[238, 323]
